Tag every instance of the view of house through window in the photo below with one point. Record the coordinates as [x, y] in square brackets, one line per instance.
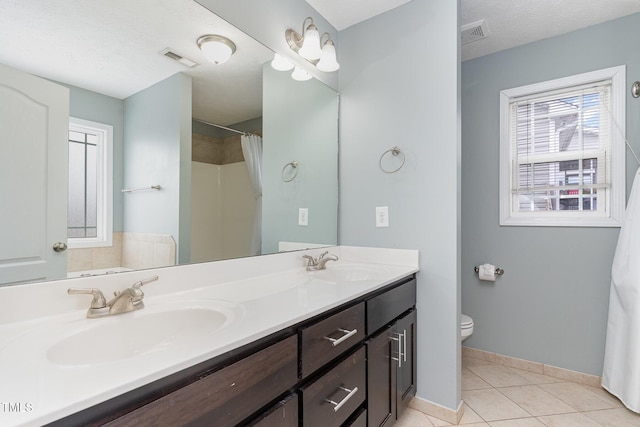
[89, 202]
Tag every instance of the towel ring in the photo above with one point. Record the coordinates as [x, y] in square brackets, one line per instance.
[395, 151]
[294, 166]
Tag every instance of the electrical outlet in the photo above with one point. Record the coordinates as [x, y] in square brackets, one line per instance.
[382, 216]
[303, 216]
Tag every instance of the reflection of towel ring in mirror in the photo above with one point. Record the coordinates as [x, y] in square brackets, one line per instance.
[395, 151]
[294, 166]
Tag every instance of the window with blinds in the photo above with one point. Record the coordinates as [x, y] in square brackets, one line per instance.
[561, 161]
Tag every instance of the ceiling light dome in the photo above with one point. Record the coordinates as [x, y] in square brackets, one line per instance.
[217, 49]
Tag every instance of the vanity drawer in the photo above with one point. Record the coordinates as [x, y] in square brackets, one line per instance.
[344, 385]
[327, 339]
[227, 396]
[283, 414]
[385, 307]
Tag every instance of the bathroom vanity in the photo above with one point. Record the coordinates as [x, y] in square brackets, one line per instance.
[328, 348]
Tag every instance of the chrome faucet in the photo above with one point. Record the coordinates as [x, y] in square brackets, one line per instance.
[124, 301]
[314, 264]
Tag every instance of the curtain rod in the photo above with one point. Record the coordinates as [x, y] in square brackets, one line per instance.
[223, 127]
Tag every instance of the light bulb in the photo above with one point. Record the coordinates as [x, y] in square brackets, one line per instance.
[311, 45]
[281, 63]
[300, 75]
[328, 62]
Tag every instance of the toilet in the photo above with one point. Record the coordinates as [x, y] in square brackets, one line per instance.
[466, 326]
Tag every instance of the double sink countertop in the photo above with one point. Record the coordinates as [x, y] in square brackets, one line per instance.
[55, 362]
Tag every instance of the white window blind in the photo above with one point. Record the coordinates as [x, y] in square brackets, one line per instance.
[559, 144]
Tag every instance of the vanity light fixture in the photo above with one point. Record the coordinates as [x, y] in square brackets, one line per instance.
[217, 49]
[311, 47]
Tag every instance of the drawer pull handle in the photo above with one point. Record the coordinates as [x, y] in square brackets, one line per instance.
[338, 405]
[400, 354]
[347, 335]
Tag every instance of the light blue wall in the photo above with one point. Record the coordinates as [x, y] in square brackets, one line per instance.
[158, 151]
[551, 305]
[88, 105]
[399, 85]
[267, 21]
[299, 124]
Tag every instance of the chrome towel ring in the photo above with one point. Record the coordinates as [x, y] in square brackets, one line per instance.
[395, 151]
[294, 167]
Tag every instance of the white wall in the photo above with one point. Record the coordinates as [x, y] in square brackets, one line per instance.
[222, 211]
[399, 85]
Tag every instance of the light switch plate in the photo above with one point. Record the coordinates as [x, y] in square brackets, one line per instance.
[303, 216]
[382, 216]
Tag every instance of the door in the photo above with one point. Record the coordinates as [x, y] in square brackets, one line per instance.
[406, 329]
[34, 126]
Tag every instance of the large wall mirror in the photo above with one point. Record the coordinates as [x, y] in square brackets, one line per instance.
[188, 130]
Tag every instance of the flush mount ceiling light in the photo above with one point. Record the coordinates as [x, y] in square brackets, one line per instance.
[313, 47]
[217, 49]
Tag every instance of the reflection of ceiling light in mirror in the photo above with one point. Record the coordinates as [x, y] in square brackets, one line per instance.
[281, 63]
[328, 62]
[300, 75]
[217, 49]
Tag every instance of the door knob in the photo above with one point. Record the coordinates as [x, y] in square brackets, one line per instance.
[59, 246]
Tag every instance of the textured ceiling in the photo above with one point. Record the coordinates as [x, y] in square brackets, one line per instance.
[516, 22]
[113, 47]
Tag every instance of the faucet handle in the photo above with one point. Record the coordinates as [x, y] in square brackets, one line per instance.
[322, 255]
[139, 283]
[310, 260]
[98, 300]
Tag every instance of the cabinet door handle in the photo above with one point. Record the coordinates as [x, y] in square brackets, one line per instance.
[347, 335]
[338, 405]
[404, 345]
[399, 340]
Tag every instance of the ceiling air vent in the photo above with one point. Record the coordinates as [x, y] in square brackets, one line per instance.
[475, 31]
[169, 53]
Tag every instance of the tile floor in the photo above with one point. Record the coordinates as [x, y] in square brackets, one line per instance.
[499, 396]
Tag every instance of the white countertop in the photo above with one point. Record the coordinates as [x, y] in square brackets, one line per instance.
[259, 296]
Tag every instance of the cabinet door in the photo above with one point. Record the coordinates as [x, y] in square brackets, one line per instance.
[381, 379]
[406, 382]
[284, 414]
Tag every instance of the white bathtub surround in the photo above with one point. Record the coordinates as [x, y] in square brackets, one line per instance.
[620, 374]
[263, 295]
[535, 367]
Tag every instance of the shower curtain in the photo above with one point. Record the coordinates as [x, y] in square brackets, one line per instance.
[252, 152]
[621, 372]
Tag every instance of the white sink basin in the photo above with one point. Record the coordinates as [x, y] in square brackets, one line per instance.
[182, 327]
[338, 273]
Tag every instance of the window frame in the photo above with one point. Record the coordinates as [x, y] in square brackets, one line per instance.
[104, 196]
[612, 214]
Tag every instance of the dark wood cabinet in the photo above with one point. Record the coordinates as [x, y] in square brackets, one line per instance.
[282, 414]
[406, 373]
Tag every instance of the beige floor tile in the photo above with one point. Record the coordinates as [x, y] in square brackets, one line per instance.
[521, 422]
[580, 397]
[498, 375]
[568, 420]
[437, 422]
[470, 416]
[535, 400]
[477, 425]
[471, 381]
[534, 378]
[619, 417]
[412, 418]
[604, 394]
[491, 405]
